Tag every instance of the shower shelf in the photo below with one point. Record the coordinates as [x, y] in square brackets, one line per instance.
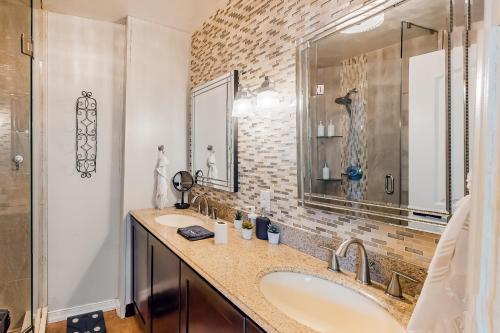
[329, 137]
[330, 179]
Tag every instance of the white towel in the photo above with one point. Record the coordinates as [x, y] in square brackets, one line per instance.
[442, 304]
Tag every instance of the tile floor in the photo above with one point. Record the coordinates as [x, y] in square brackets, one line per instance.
[114, 324]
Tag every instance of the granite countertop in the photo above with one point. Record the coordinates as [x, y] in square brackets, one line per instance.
[235, 269]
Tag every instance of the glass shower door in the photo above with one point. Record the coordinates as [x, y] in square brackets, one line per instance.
[15, 163]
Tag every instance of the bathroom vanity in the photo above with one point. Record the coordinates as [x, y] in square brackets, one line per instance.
[169, 296]
[181, 286]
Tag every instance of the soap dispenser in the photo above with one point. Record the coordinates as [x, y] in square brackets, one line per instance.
[326, 172]
[331, 128]
[321, 129]
[252, 216]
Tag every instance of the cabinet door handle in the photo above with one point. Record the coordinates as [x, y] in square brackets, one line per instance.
[389, 184]
[187, 305]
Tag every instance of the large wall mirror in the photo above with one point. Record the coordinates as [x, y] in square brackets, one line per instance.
[382, 113]
[214, 133]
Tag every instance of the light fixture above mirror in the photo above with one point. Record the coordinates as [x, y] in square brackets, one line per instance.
[268, 99]
[243, 103]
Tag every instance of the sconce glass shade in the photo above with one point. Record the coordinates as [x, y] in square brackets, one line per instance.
[243, 105]
[268, 99]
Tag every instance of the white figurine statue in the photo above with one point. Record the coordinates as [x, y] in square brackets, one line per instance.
[161, 199]
[212, 164]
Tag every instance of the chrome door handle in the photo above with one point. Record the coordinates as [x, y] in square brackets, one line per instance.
[389, 184]
[18, 161]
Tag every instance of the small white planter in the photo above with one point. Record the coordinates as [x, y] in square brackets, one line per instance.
[247, 233]
[273, 238]
[237, 224]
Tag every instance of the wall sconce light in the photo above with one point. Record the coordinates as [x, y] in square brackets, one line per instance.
[243, 105]
[268, 99]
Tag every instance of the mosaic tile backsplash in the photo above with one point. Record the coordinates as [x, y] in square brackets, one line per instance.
[258, 38]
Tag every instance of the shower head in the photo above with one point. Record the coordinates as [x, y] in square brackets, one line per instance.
[346, 100]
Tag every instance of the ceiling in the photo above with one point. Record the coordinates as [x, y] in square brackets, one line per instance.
[186, 15]
[427, 13]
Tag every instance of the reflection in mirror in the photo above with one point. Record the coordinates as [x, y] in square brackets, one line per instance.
[381, 119]
[214, 133]
[183, 182]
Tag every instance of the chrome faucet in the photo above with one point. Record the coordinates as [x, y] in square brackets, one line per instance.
[204, 198]
[362, 269]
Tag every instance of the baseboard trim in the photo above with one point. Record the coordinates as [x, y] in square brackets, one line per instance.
[59, 315]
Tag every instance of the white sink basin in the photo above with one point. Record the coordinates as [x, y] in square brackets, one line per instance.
[326, 306]
[178, 220]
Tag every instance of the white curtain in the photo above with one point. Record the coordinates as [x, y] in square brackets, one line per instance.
[483, 283]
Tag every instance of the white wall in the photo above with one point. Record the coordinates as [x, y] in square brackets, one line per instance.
[83, 214]
[156, 93]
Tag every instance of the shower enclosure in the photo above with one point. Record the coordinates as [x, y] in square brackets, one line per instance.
[15, 163]
[389, 80]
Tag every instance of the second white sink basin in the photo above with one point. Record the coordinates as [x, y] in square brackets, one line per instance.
[178, 220]
[326, 306]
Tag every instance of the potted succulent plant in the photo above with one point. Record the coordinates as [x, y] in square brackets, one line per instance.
[247, 230]
[273, 233]
[238, 219]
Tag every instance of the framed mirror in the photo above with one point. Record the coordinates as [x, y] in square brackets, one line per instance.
[381, 125]
[214, 132]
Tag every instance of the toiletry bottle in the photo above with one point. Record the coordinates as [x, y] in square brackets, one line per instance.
[321, 129]
[252, 216]
[331, 128]
[262, 224]
[326, 172]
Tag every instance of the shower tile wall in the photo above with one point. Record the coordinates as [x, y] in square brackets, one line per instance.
[328, 150]
[353, 75]
[15, 254]
[257, 37]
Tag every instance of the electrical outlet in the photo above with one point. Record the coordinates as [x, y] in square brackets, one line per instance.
[265, 200]
[320, 89]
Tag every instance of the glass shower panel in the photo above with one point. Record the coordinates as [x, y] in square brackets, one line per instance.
[15, 163]
[423, 118]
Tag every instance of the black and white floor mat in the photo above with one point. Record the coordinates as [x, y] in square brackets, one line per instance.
[92, 322]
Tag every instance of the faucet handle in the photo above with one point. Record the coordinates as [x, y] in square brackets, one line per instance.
[394, 287]
[333, 261]
[214, 213]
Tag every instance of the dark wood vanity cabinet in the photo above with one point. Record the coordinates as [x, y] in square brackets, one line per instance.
[165, 296]
[169, 296]
[251, 327]
[141, 275]
[203, 309]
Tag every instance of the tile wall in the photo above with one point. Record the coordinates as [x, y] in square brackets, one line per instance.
[258, 37]
[15, 251]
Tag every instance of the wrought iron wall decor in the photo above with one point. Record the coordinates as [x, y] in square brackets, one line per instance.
[86, 135]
